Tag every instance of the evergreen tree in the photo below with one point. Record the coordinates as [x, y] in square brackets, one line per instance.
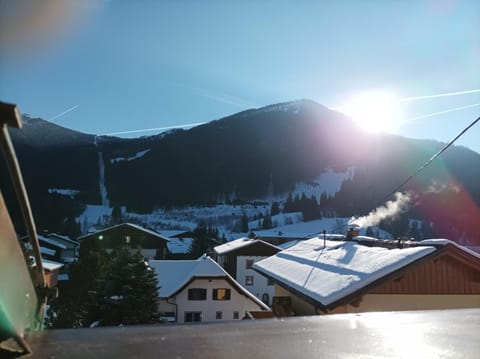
[116, 216]
[75, 299]
[129, 292]
[244, 223]
[201, 241]
[274, 209]
[267, 222]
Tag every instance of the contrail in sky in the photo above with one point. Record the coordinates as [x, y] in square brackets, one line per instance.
[64, 112]
[442, 112]
[154, 129]
[447, 94]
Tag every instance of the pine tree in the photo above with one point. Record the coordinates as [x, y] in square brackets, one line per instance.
[129, 292]
[75, 299]
[274, 209]
[244, 223]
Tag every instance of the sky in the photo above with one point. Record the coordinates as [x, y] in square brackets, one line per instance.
[109, 66]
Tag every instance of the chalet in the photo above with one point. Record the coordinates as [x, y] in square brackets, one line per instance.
[237, 258]
[317, 277]
[201, 291]
[152, 244]
[49, 248]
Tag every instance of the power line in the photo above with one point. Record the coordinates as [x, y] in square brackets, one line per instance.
[426, 164]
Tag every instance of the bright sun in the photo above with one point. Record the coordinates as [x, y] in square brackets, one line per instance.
[374, 111]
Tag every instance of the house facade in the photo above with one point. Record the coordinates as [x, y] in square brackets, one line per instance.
[152, 245]
[201, 291]
[237, 258]
[349, 277]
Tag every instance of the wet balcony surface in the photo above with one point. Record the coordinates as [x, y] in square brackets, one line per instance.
[421, 334]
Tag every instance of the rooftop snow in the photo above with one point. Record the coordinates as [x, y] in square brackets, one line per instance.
[327, 274]
[52, 242]
[444, 242]
[132, 225]
[173, 274]
[238, 243]
[51, 265]
[43, 250]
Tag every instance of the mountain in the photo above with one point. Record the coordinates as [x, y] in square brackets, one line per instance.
[255, 155]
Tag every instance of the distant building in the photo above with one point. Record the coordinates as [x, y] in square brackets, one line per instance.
[179, 243]
[201, 291]
[51, 271]
[237, 258]
[350, 277]
[152, 245]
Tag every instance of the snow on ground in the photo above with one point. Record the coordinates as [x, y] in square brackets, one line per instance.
[64, 191]
[131, 158]
[329, 182]
[329, 273]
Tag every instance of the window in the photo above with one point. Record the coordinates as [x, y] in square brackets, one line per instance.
[197, 294]
[218, 315]
[266, 298]
[193, 317]
[236, 315]
[221, 294]
[249, 263]
[249, 280]
[127, 239]
[269, 281]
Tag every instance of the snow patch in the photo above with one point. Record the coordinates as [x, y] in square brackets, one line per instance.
[64, 191]
[329, 183]
[131, 158]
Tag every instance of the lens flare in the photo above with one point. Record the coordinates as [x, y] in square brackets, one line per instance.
[374, 111]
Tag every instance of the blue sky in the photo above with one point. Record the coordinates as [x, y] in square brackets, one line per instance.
[127, 65]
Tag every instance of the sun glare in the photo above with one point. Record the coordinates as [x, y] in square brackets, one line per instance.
[375, 111]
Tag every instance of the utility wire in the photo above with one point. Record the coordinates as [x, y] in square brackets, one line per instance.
[426, 164]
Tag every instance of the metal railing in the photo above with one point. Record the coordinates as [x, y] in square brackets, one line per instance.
[22, 296]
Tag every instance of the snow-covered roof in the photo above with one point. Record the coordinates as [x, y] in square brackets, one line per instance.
[444, 242]
[239, 243]
[51, 265]
[281, 234]
[172, 233]
[327, 274]
[173, 275]
[43, 250]
[179, 245]
[52, 242]
[63, 238]
[131, 225]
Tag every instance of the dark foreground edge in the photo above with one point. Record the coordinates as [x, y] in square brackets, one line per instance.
[416, 334]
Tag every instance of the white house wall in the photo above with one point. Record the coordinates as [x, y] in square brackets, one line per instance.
[238, 302]
[260, 283]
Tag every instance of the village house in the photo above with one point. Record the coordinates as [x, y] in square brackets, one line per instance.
[318, 277]
[237, 258]
[201, 291]
[152, 245]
